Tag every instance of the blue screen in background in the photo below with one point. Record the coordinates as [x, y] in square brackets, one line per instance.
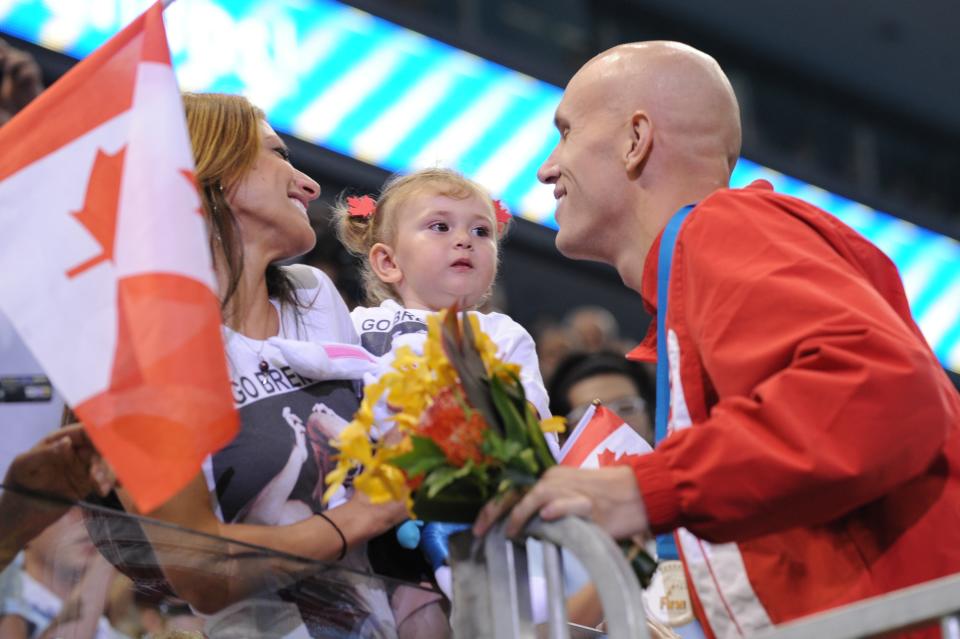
[364, 87]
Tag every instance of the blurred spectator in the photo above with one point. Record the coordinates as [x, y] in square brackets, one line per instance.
[20, 80]
[553, 344]
[161, 616]
[62, 587]
[625, 387]
[593, 328]
[585, 329]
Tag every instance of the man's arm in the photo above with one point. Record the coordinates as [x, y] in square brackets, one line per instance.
[827, 399]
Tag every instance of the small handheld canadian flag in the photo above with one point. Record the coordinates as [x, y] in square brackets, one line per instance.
[601, 438]
[108, 275]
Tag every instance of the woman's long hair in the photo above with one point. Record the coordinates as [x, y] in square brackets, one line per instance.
[225, 136]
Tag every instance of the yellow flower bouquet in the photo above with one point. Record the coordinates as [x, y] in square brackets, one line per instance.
[464, 430]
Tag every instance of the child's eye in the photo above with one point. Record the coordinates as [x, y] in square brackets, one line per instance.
[481, 231]
[283, 152]
[440, 227]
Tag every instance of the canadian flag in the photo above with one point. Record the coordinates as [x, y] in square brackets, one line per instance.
[106, 271]
[601, 438]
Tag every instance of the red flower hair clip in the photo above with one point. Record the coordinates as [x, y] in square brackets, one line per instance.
[363, 206]
[502, 214]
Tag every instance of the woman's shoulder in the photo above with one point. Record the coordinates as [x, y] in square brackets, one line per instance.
[322, 310]
[314, 288]
[306, 278]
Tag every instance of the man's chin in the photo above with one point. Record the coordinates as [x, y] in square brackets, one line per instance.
[575, 246]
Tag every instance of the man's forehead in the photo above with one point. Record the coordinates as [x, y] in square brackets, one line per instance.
[579, 97]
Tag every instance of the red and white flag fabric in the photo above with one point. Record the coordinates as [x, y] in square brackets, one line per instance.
[107, 273]
[601, 438]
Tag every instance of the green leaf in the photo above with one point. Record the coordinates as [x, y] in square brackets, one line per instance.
[526, 462]
[526, 418]
[444, 476]
[513, 422]
[537, 440]
[425, 456]
[499, 448]
[516, 389]
[518, 478]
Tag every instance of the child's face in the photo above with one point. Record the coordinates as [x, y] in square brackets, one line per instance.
[445, 251]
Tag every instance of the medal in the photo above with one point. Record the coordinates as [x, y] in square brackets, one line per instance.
[675, 606]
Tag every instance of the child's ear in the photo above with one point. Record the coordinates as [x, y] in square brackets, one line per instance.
[381, 258]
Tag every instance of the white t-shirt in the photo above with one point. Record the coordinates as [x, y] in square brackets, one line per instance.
[381, 326]
[273, 472]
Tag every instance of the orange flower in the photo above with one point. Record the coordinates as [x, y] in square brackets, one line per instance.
[447, 425]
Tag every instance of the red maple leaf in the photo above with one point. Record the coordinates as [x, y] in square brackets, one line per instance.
[99, 212]
[610, 458]
[502, 213]
[363, 206]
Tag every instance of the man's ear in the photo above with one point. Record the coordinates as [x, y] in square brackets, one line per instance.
[641, 142]
[382, 261]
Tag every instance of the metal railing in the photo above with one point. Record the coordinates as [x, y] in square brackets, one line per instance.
[491, 590]
[492, 597]
[923, 604]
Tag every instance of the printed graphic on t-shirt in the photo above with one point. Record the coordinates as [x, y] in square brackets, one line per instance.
[273, 471]
[377, 335]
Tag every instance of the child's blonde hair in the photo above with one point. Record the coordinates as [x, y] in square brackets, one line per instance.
[359, 234]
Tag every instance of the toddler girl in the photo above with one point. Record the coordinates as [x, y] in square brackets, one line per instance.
[432, 239]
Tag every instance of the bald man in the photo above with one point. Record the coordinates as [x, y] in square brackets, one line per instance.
[814, 441]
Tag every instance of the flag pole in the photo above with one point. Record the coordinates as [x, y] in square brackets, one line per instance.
[167, 3]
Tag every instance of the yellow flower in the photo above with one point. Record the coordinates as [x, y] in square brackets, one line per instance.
[409, 389]
[354, 443]
[336, 477]
[386, 483]
[553, 425]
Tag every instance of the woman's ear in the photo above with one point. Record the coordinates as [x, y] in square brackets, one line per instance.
[641, 142]
[382, 261]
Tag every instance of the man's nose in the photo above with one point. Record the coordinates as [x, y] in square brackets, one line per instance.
[549, 171]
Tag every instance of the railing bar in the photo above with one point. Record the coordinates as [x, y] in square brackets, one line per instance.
[503, 600]
[556, 603]
[520, 585]
[950, 627]
[926, 602]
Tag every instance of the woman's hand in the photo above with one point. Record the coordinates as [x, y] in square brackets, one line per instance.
[360, 520]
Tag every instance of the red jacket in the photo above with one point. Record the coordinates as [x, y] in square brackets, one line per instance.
[814, 449]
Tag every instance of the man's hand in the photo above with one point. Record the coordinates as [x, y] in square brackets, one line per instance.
[20, 80]
[608, 496]
[64, 463]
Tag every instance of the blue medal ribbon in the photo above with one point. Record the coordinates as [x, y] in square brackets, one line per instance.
[666, 546]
